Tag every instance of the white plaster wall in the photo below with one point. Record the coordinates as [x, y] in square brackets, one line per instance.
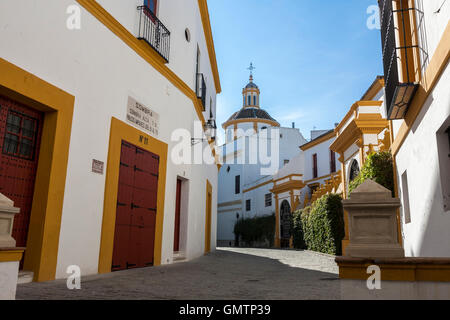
[251, 176]
[323, 160]
[176, 15]
[427, 234]
[435, 23]
[101, 72]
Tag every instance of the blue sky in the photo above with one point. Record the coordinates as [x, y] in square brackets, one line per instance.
[313, 58]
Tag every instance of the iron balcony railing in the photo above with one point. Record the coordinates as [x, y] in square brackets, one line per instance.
[200, 89]
[153, 31]
[400, 80]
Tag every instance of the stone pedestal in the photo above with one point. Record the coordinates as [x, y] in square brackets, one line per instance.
[9, 255]
[7, 213]
[372, 224]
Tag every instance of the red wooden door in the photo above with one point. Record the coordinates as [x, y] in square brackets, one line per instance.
[176, 240]
[20, 133]
[134, 236]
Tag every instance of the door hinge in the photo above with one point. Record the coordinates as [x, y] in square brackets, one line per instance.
[134, 206]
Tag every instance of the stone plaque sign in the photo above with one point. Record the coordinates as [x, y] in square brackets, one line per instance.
[143, 117]
[97, 166]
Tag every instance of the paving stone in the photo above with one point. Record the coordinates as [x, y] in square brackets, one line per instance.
[228, 273]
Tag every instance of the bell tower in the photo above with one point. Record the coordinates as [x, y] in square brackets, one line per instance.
[250, 93]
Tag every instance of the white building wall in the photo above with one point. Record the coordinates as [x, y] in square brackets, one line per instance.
[289, 141]
[323, 160]
[427, 233]
[176, 15]
[101, 71]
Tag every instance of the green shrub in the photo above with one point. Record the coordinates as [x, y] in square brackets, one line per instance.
[379, 168]
[257, 229]
[297, 228]
[323, 225]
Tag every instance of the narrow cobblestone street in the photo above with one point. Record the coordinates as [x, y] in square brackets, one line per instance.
[228, 274]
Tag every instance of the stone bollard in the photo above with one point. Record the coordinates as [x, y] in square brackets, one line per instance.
[10, 256]
[372, 222]
[7, 213]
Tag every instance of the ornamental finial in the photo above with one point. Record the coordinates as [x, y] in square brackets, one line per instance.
[251, 68]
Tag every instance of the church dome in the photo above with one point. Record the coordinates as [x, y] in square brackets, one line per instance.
[251, 113]
[251, 85]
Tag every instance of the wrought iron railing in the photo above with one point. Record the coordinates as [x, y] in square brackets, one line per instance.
[153, 31]
[200, 89]
[401, 65]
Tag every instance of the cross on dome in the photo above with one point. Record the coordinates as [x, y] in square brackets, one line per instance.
[251, 68]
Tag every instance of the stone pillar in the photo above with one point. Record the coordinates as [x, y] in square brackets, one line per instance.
[7, 213]
[372, 222]
[277, 223]
[10, 256]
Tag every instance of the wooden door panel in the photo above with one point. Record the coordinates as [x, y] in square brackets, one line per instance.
[147, 250]
[124, 199]
[146, 181]
[120, 253]
[176, 240]
[145, 198]
[136, 208]
[147, 161]
[20, 131]
[134, 248]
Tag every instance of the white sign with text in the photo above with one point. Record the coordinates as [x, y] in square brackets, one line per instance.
[143, 117]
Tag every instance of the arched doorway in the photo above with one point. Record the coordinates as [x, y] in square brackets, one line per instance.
[285, 224]
[354, 170]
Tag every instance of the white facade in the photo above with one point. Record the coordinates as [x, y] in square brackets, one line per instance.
[101, 70]
[422, 163]
[254, 186]
[246, 179]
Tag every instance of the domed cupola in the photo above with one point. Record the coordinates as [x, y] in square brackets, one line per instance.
[250, 93]
[250, 115]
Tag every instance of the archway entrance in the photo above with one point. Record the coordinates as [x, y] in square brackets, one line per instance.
[354, 170]
[285, 224]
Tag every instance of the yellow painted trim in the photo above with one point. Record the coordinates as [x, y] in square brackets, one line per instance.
[318, 141]
[11, 255]
[353, 132]
[204, 12]
[353, 110]
[434, 70]
[45, 222]
[258, 186]
[323, 177]
[148, 54]
[250, 120]
[208, 216]
[277, 243]
[373, 90]
[122, 131]
[290, 176]
[397, 271]
[288, 186]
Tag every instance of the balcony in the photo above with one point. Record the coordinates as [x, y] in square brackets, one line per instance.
[153, 31]
[401, 54]
[200, 89]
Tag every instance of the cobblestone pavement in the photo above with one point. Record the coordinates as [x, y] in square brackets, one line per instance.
[226, 274]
